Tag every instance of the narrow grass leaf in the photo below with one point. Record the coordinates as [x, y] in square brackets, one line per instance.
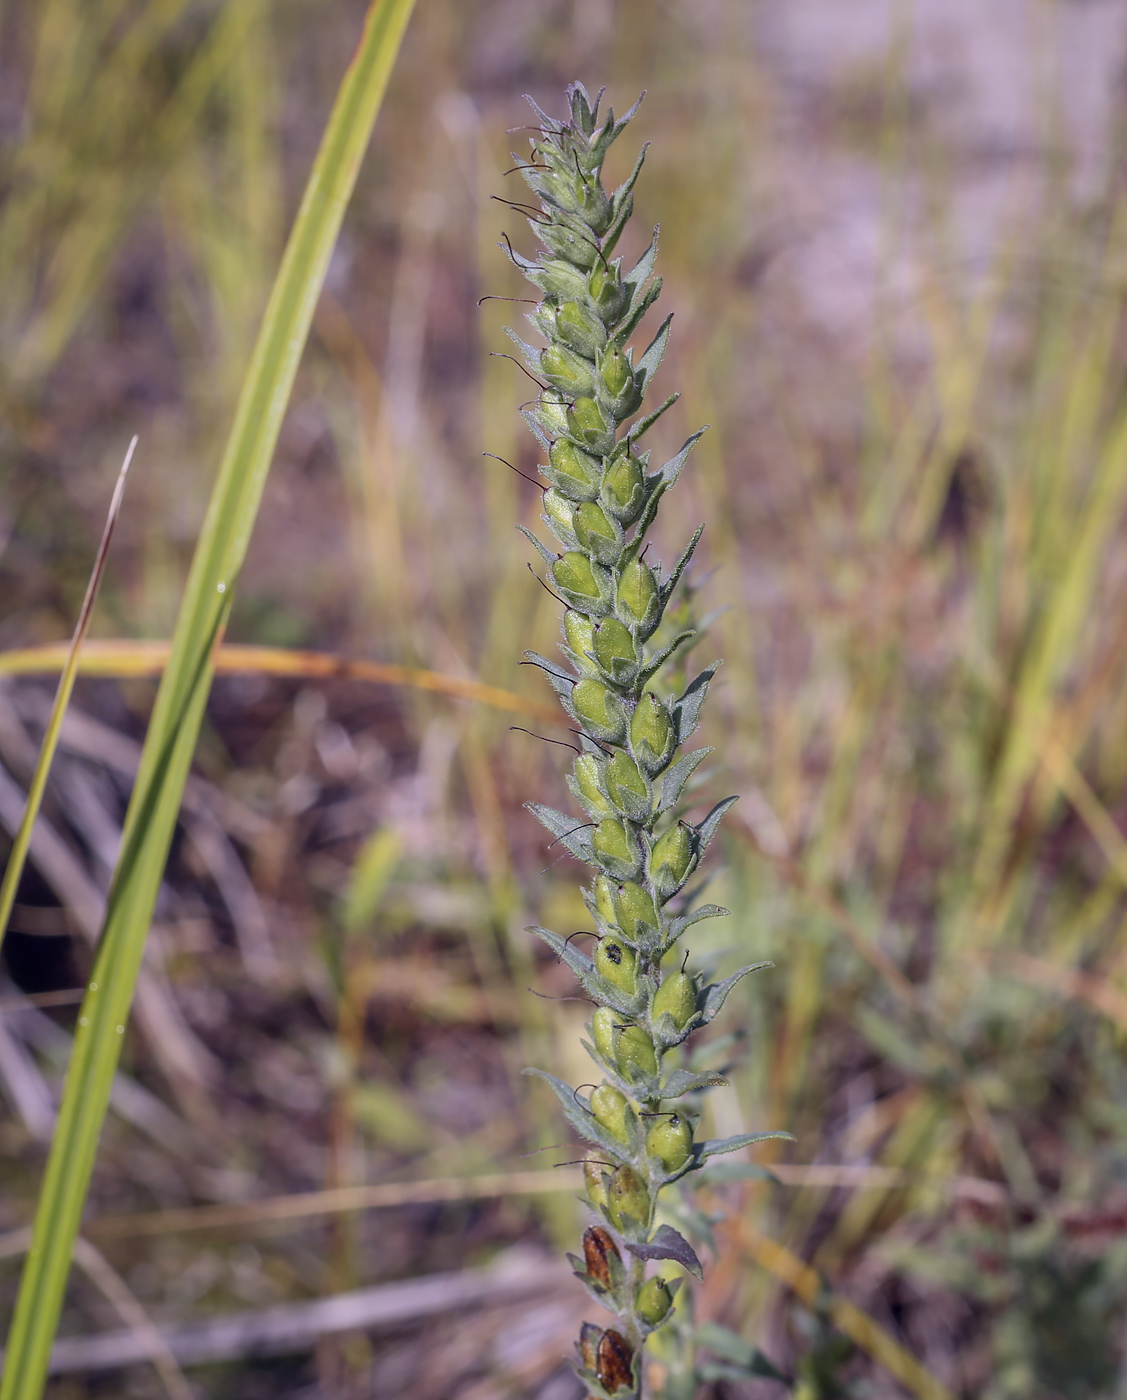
[176, 718]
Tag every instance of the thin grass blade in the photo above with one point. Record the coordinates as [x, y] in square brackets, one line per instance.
[35, 792]
[174, 727]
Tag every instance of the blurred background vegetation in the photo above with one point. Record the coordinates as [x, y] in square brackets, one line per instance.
[895, 239]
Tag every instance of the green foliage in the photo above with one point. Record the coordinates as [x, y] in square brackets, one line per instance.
[601, 501]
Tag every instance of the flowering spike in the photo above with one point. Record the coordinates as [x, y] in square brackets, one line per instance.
[599, 505]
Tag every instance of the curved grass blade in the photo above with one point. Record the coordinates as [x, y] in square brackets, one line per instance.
[18, 856]
[176, 718]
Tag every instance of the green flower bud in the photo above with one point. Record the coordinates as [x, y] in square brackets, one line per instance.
[670, 1140]
[587, 423]
[600, 1255]
[616, 651]
[615, 963]
[626, 787]
[614, 1362]
[636, 914]
[624, 488]
[567, 371]
[559, 279]
[671, 859]
[595, 1180]
[638, 603]
[653, 1301]
[651, 734]
[575, 575]
[617, 849]
[677, 998]
[559, 513]
[607, 292]
[552, 412]
[604, 899]
[628, 1201]
[616, 388]
[603, 1027]
[575, 247]
[634, 1054]
[572, 471]
[579, 634]
[577, 327]
[597, 533]
[613, 1112]
[588, 788]
[599, 710]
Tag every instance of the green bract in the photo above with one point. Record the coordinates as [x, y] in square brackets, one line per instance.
[599, 504]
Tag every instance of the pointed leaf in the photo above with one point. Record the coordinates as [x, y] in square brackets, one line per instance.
[637, 313]
[687, 707]
[545, 553]
[658, 661]
[619, 197]
[530, 352]
[673, 784]
[651, 358]
[639, 274]
[715, 1147]
[703, 911]
[707, 829]
[644, 424]
[567, 952]
[668, 1244]
[715, 996]
[574, 836]
[672, 469]
[679, 568]
[684, 1081]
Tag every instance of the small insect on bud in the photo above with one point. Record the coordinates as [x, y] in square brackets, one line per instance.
[624, 489]
[626, 787]
[635, 913]
[567, 371]
[651, 733]
[671, 859]
[579, 579]
[599, 711]
[670, 1140]
[613, 1112]
[676, 998]
[638, 603]
[588, 1345]
[614, 1362]
[616, 651]
[653, 1301]
[576, 326]
[573, 473]
[595, 1180]
[603, 1026]
[616, 849]
[597, 533]
[635, 1055]
[628, 1201]
[599, 1250]
[616, 963]
[607, 292]
[587, 423]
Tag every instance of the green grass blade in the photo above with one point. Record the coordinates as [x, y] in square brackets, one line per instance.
[176, 718]
[20, 845]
